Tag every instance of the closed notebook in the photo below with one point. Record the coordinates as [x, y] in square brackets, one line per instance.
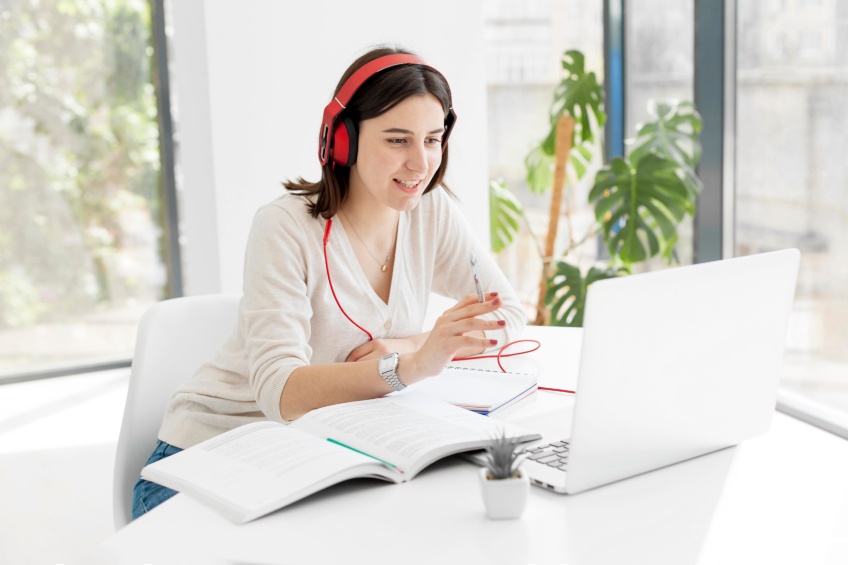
[482, 390]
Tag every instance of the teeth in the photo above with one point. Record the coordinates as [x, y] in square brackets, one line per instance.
[409, 183]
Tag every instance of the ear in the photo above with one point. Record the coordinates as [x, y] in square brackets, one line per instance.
[345, 142]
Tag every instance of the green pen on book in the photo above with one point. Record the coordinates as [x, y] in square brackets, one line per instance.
[331, 440]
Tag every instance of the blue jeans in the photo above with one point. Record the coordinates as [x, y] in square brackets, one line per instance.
[147, 495]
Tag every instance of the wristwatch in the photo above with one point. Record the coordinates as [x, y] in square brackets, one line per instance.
[388, 370]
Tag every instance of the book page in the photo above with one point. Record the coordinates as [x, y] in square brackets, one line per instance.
[269, 449]
[259, 467]
[409, 431]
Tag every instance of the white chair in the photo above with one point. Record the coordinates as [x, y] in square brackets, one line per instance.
[174, 338]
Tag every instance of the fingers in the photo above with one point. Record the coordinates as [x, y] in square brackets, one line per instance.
[361, 352]
[377, 348]
[466, 342]
[468, 307]
[466, 301]
[465, 325]
[471, 299]
[458, 329]
[474, 328]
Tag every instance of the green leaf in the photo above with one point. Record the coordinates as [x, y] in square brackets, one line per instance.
[566, 294]
[672, 134]
[580, 94]
[505, 211]
[580, 158]
[638, 206]
[540, 170]
[540, 164]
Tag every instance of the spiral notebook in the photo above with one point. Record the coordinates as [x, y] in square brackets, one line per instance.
[484, 391]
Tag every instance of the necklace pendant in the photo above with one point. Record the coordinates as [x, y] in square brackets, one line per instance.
[384, 267]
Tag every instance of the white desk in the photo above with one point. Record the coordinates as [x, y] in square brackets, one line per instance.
[779, 498]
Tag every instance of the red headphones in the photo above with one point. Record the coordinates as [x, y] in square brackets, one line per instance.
[337, 141]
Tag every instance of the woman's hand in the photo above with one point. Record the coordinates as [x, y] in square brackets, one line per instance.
[454, 332]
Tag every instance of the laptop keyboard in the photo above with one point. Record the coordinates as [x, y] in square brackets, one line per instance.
[554, 454]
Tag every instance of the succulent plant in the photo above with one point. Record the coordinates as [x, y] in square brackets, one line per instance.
[502, 457]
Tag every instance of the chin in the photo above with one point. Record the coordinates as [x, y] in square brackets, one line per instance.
[409, 203]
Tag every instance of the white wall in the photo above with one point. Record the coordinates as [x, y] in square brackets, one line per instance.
[251, 81]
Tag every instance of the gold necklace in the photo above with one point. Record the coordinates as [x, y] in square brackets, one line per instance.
[384, 266]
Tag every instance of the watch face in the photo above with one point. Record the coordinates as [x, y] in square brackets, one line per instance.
[388, 362]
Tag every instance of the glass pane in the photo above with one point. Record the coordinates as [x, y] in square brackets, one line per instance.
[659, 54]
[80, 231]
[525, 42]
[792, 174]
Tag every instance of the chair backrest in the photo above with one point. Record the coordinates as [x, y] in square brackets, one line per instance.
[174, 338]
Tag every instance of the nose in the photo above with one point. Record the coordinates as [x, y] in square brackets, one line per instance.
[416, 160]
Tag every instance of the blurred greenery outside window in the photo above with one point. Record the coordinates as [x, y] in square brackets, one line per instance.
[524, 43]
[82, 239]
[659, 47]
[791, 176]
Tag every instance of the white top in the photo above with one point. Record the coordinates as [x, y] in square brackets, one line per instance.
[288, 317]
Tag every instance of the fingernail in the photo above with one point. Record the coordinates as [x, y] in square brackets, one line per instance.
[501, 322]
[493, 341]
[493, 294]
[496, 302]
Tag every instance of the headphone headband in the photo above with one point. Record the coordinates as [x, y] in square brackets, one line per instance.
[343, 150]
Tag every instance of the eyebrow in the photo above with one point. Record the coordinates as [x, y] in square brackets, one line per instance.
[408, 132]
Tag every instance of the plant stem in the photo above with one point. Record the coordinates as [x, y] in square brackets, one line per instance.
[564, 135]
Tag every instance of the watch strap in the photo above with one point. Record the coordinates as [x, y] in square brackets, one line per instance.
[388, 371]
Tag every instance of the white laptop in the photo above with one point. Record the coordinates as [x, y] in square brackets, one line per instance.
[674, 364]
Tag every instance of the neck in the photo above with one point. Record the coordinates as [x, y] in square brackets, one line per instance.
[370, 240]
[371, 220]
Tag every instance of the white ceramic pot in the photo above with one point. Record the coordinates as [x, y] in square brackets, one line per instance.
[504, 498]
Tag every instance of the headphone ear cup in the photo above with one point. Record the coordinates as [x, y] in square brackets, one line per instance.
[345, 142]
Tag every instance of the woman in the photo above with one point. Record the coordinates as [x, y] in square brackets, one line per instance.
[338, 272]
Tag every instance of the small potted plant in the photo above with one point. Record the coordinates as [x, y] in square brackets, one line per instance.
[505, 486]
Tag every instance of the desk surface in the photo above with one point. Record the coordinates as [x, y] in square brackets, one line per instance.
[778, 498]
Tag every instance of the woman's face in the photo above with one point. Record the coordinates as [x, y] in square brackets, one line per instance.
[399, 152]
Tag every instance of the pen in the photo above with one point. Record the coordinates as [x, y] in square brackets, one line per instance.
[476, 279]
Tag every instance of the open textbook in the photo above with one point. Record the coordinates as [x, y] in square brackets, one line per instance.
[257, 468]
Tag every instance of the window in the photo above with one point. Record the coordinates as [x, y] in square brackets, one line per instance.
[788, 174]
[659, 37]
[792, 178]
[83, 240]
[525, 42]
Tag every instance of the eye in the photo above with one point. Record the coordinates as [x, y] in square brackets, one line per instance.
[434, 140]
[396, 140]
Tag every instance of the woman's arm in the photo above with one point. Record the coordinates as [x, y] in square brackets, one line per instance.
[376, 348]
[452, 275]
[314, 386]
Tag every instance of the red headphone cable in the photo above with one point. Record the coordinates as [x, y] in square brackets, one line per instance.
[502, 354]
[329, 224]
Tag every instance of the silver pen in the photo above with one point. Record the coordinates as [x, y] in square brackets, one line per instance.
[476, 278]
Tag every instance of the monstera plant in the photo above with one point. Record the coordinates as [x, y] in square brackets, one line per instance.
[639, 200]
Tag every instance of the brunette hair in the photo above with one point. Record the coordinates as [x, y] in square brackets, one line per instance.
[377, 95]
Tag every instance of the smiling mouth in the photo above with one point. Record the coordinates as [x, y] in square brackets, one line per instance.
[409, 184]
